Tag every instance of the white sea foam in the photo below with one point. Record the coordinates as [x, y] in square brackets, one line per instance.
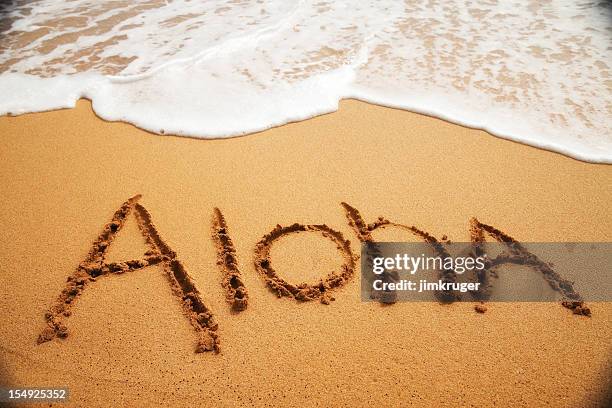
[537, 72]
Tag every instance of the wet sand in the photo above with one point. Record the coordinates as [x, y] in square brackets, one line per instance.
[131, 340]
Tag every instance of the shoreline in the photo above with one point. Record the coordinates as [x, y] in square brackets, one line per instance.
[552, 148]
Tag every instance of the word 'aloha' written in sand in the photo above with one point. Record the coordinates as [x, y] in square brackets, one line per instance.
[200, 316]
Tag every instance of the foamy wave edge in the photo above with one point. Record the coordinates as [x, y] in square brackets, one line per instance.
[319, 95]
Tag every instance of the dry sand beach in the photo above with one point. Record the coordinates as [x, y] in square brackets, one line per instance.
[129, 343]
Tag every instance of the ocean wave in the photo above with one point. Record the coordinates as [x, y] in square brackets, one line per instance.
[536, 72]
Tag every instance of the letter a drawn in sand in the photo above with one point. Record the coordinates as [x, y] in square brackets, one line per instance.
[519, 255]
[94, 267]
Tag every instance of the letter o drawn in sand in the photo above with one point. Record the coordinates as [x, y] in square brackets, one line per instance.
[304, 292]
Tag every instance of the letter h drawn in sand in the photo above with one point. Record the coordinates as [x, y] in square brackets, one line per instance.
[94, 267]
[364, 233]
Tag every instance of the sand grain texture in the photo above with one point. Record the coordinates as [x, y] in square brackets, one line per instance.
[65, 173]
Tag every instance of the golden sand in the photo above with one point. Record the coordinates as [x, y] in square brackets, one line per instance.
[65, 173]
